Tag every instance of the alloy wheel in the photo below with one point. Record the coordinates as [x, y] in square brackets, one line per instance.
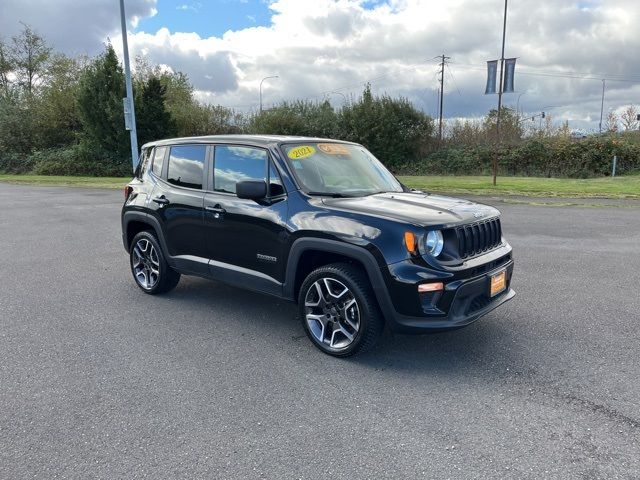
[145, 264]
[332, 313]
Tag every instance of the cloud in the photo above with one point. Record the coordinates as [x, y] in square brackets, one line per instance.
[72, 26]
[193, 6]
[320, 46]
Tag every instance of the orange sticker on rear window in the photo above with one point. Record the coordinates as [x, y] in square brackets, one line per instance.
[299, 153]
[333, 148]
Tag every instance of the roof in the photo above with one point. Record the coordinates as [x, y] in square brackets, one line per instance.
[262, 140]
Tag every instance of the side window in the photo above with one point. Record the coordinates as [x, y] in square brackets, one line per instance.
[186, 164]
[275, 183]
[158, 158]
[233, 164]
[145, 160]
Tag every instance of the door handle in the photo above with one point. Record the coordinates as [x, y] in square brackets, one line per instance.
[216, 209]
[160, 200]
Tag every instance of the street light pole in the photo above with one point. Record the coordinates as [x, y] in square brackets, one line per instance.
[130, 110]
[500, 87]
[265, 78]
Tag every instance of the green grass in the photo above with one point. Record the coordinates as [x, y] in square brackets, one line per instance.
[89, 182]
[619, 187]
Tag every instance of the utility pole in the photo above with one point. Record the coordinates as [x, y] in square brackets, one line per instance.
[129, 107]
[602, 104]
[442, 64]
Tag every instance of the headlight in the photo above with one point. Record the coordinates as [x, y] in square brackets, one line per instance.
[434, 242]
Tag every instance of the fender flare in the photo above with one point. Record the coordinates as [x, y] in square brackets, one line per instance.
[362, 255]
[133, 216]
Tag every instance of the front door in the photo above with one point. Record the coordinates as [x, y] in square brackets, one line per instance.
[245, 238]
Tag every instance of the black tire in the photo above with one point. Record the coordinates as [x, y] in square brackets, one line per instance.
[142, 264]
[370, 322]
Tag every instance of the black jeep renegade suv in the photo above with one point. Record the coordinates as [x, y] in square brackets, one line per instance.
[319, 222]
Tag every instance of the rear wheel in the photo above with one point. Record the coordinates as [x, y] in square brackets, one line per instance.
[338, 310]
[149, 268]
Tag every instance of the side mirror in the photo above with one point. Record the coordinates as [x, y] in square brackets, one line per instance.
[251, 189]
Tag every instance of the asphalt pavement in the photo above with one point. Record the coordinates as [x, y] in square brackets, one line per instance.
[98, 380]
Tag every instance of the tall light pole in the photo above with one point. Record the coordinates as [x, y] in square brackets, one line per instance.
[500, 88]
[129, 107]
[265, 78]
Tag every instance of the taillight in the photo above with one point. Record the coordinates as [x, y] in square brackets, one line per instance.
[127, 191]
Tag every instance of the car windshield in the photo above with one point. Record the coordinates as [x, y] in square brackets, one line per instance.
[338, 169]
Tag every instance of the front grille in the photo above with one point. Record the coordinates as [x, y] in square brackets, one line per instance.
[476, 238]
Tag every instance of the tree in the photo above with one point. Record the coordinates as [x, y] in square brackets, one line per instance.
[470, 133]
[57, 110]
[392, 128]
[511, 128]
[191, 117]
[100, 96]
[6, 67]
[30, 56]
[629, 118]
[611, 124]
[154, 121]
[297, 118]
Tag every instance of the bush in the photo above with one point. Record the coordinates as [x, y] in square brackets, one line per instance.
[12, 162]
[555, 157]
[75, 161]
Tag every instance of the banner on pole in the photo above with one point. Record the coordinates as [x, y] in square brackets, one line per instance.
[492, 73]
[509, 74]
[127, 113]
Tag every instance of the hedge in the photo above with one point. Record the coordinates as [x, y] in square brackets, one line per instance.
[557, 157]
[75, 160]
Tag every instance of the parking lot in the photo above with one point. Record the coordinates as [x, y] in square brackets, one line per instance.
[98, 380]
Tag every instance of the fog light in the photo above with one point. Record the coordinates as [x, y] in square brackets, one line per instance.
[430, 287]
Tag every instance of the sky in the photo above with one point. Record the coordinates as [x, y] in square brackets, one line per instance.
[331, 48]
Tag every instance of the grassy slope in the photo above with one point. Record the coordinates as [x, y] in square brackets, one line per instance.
[619, 187]
[91, 182]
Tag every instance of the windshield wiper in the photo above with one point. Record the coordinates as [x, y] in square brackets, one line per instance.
[379, 191]
[331, 194]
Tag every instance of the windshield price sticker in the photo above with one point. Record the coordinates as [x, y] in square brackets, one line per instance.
[333, 149]
[299, 153]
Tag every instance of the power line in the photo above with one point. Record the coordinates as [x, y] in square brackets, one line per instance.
[628, 78]
[616, 77]
[453, 80]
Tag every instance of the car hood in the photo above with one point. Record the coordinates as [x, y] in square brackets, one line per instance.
[416, 208]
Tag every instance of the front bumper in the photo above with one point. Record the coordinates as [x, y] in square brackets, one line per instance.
[470, 301]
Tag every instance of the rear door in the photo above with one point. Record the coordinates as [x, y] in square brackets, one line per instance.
[178, 204]
[245, 238]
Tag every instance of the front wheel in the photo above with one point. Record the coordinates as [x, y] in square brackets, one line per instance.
[150, 270]
[339, 311]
